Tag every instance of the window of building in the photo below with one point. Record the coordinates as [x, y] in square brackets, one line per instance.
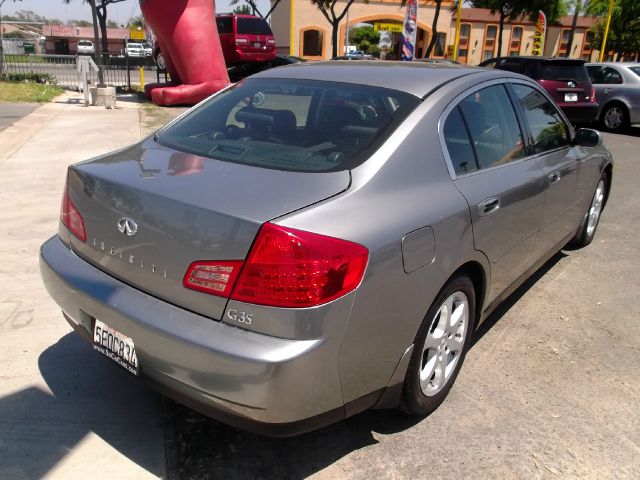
[312, 43]
[547, 127]
[516, 41]
[463, 44]
[489, 45]
[586, 45]
[564, 41]
[440, 46]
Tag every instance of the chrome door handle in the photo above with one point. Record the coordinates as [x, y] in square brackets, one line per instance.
[606, 91]
[554, 177]
[489, 205]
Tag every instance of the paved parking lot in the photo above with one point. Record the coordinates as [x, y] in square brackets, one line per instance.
[550, 389]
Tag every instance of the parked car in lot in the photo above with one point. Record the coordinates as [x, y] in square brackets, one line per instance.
[324, 238]
[134, 50]
[244, 39]
[565, 79]
[617, 92]
[86, 47]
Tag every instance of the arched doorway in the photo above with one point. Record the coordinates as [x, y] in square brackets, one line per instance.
[389, 25]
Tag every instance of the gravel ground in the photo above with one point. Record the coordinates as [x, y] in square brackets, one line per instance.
[550, 388]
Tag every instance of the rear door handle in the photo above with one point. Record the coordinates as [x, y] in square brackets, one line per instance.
[606, 91]
[489, 205]
[554, 177]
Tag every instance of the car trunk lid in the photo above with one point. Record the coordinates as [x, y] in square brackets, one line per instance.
[149, 212]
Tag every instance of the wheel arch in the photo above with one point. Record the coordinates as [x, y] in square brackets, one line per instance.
[614, 101]
[609, 171]
[479, 278]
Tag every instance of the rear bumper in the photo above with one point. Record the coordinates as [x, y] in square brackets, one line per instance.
[240, 56]
[580, 114]
[257, 382]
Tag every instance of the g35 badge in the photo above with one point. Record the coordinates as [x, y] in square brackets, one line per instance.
[242, 317]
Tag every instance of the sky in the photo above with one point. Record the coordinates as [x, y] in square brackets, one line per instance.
[78, 10]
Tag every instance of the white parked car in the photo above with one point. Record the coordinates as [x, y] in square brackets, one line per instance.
[134, 50]
[86, 47]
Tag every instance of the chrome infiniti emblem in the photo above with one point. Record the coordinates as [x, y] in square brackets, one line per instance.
[127, 226]
[571, 84]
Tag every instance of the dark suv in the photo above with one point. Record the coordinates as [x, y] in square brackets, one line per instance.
[565, 79]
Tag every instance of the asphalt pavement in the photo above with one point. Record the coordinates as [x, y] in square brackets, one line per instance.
[549, 389]
[11, 112]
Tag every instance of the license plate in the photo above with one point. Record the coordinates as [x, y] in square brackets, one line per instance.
[570, 97]
[257, 44]
[115, 345]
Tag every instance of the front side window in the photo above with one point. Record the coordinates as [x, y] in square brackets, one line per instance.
[493, 126]
[295, 125]
[548, 129]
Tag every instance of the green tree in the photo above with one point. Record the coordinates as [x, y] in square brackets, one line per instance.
[624, 31]
[253, 5]
[363, 34]
[329, 9]
[512, 10]
[242, 9]
[135, 22]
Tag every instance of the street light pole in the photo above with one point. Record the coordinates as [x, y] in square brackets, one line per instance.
[97, 44]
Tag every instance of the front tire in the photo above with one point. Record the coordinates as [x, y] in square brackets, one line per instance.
[440, 347]
[592, 218]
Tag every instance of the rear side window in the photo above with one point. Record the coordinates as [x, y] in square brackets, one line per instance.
[604, 75]
[295, 125]
[548, 129]
[562, 71]
[224, 24]
[253, 26]
[458, 144]
[635, 70]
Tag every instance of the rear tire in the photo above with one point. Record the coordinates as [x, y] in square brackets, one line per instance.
[615, 118]
[591, 219]
[440, 347]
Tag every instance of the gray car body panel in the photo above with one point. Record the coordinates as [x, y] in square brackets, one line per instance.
[403, 204]
[627, 92]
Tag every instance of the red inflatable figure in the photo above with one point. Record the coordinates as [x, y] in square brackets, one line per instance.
[187, 35]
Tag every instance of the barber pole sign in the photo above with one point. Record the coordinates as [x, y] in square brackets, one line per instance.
[409, 31]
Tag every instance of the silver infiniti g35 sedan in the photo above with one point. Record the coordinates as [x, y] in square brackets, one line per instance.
[321, 239]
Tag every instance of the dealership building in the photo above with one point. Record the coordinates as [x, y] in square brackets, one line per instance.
[310, 35]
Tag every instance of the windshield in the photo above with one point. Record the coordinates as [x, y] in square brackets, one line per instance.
[85, 43]
[295, 125]
[135, 45]
[253, 26]
[563, 71]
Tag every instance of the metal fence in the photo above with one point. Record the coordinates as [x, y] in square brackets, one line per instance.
[119, 70]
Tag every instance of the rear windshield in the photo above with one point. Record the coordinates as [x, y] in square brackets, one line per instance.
[253, 26]
[224, 25]
[562, 71]
[295, 125]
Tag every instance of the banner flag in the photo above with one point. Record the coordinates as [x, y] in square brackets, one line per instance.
[409, 31]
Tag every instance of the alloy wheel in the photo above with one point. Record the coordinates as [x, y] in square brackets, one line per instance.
[444, 343]
[596, 208]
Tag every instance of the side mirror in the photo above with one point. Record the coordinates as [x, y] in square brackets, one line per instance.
[587, 137]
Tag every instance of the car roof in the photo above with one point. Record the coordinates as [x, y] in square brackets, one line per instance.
[416, 78]
[620, 64]
[538, 59]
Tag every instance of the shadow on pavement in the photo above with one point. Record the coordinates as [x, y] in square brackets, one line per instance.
[87, 395]
[204, 448]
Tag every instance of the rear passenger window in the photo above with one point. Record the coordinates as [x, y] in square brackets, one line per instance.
[493, 126]
[548, 129]
[458, 144]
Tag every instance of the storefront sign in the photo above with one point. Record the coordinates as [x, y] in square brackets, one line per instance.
[387, 27]
[135, 34]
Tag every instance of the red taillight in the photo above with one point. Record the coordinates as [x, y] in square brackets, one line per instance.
[285, 268]
[242, 41]
[593, 95]
[216, 278]
[70, 216]
[294, 268]
[271, 41]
